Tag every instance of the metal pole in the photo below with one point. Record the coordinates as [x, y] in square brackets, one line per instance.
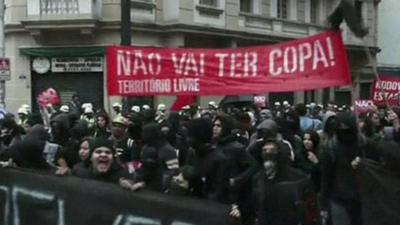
[126, 34]
[2, 53]
[126, 22]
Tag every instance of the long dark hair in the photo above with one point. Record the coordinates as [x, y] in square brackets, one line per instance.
[90, 141]
[314, 136]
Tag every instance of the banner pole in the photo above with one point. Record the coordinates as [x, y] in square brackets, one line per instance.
[375, 71]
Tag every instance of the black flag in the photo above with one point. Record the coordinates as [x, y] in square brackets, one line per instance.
[347, 11]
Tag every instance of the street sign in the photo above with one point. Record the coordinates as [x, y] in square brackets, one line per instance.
[5, 73]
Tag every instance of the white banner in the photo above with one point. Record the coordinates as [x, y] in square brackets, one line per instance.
[77, 64]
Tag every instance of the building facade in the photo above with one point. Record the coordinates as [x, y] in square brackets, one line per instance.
[60, 43]
[389, 37]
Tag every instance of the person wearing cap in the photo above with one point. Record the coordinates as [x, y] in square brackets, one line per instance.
[22, 116]
[88, 116]
[160, 114]
[212, 106]
[127, 150]
[117, 107]
[276, 111]
[135, 109]
[64, 109]
[26, 107]
[103, 165]
[286, 106]
[145, 107]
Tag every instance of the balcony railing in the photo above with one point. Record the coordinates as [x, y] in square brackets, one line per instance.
[54, 9]
[51, 7]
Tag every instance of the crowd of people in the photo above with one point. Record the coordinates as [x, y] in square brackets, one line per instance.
[278, 165]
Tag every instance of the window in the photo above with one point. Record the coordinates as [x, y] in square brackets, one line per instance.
[358, 6]
[309, 96]
[282, 8]
[209, 2]
[365, 90]
[245, 6]
[313, 11]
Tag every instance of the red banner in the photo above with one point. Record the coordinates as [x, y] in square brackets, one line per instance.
[315, 62]
[388, 88]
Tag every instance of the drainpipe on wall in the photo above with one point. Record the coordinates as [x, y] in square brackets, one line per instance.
[2, 54]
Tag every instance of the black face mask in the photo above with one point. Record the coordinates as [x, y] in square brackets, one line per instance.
[346, 136]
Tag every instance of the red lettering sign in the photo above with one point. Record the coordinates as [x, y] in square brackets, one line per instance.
[387, 90]
[315, 62]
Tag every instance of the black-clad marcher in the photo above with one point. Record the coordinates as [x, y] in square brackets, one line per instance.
[28, 153]
[340, 198]
[267, 129]
[158, 158]
[242, 166]
[279, 190]
[210, 178]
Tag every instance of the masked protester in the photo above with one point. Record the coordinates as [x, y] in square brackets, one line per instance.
[241, 164]
[159, 160]
[210, 173]
[28, 153]
[279, 191]
[329, 127]
[176, 135]
[268, 129]
[339, 159]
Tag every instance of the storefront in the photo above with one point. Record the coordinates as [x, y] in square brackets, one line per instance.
[70, 71]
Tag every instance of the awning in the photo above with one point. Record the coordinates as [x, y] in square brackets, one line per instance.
[64, 51]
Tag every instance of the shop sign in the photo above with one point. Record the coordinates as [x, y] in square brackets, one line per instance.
[5, 69]
[77, 64]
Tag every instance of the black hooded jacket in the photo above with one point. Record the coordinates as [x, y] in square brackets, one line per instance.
[28, 153]
[338, 181]
[210, 178]
[158, 157]
[280, 201]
